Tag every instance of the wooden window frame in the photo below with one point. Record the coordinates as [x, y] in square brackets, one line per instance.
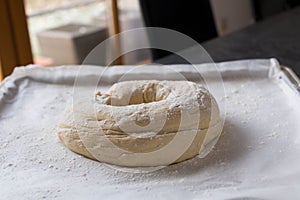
[15, 48]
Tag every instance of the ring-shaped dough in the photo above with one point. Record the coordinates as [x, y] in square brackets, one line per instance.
[141, 117]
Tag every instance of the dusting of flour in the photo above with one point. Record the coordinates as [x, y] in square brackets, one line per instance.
[253, 150]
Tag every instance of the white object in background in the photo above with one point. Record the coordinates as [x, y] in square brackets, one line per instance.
[130, 17]
[231, 15]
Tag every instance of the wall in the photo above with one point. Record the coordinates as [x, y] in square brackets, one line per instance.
[232, 15]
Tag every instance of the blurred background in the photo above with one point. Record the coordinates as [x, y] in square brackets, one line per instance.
[50, 21]
[60, 32]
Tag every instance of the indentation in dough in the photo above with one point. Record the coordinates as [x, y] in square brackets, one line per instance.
[151, 92]
[142, 120]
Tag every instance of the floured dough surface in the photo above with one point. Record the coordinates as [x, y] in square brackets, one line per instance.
[142, 123]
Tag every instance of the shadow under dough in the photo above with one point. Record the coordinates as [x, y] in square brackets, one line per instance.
[231, 146]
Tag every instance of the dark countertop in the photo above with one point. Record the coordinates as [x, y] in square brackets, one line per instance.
[277, 37]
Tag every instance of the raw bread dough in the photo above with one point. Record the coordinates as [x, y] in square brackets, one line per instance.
[142, 123]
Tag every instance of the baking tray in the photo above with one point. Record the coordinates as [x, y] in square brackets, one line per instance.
[256, 157]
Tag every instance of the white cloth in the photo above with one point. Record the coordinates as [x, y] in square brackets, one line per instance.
[257, 155]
